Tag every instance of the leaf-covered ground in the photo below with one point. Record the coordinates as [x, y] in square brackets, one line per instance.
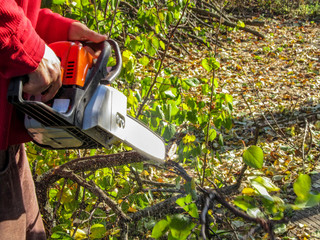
[275, 84]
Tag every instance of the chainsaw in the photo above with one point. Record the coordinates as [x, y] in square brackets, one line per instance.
[86, 112]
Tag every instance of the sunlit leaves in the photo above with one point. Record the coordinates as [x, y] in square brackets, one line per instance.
[241, 24]
[144, 61]
[302, 188]
[179, 227]
[58, 2]
[61, 235]
[244, 202]
[189, 206]
[160, 228]
[192, 82]
[210, 64]
[264, 185]
[188, 139]
[98, 231]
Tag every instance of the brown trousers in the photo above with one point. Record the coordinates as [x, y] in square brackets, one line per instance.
[19, 212]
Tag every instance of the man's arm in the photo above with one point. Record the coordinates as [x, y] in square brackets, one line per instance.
[21, 48]
[23, 51]
[52, 27]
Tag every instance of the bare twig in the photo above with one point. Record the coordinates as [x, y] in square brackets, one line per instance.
[137, 178]
[211, 105]
[95, 15]
[114, 17]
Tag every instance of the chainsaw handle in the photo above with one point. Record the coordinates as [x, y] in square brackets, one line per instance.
[14, 94]
[102, 61]
[115, 70]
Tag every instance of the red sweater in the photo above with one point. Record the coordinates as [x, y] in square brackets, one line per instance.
[24, 30]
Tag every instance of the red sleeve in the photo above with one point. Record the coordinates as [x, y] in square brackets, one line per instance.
[21, 48]
[52, 27]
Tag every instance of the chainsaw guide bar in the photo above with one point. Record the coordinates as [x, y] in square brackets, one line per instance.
[86, 112]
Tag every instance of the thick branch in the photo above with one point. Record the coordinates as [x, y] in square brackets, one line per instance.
[91, 164]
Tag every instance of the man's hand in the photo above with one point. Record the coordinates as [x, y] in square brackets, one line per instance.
[46, 79]
[80, 32]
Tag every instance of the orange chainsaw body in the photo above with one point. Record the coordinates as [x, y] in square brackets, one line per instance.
[75, 62]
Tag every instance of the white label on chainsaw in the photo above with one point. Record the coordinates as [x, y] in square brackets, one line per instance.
[61, 105]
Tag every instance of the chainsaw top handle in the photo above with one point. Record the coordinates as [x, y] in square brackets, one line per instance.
[111, 75]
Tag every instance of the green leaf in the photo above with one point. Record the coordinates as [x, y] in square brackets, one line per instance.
[181, 202]
[157, 65]
[302, 187]
[169, 131]
[212, 134]
[61, 235]
[255, 212]
[192, 82]
[169, 94]
[228, 98]
[205, 89]
[168, 71]
[192, 116]
[266, 182]
[192, 209]
[180, 226]
[243, 202]
[160, 112]
[205, 64]
[280, 228]
[97, 231]
[210, 64]
[262, 190]
[188, 206]
[241, 24]
[168, 111]
[188, 199]
[58, 2]
[162, 45]
[312, 200]
[144, 61]
[160, 228]
[253, 157]
[155, 42]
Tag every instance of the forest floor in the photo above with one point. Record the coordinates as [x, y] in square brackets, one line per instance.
[275, 85]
